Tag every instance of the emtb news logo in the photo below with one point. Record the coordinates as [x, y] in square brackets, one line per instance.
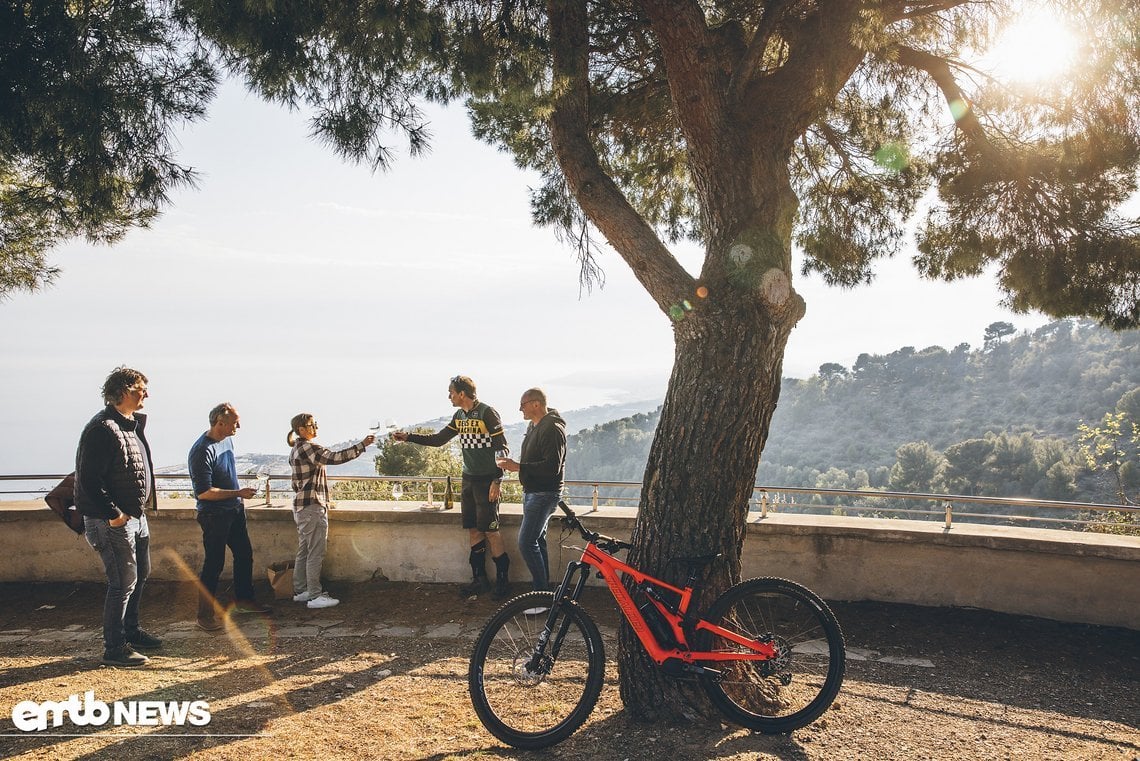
[30, 716]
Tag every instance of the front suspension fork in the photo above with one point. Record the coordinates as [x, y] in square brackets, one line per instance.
[539, 661]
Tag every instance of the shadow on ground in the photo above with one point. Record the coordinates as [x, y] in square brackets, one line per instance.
[377, 677]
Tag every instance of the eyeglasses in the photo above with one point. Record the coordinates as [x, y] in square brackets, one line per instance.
[138, 390]
[525, 402]
[314, 426]
[460, 385]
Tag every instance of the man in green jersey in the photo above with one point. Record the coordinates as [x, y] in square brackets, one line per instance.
[480, 432]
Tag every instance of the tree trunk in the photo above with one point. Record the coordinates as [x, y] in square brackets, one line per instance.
[730, 326]
[701, 470]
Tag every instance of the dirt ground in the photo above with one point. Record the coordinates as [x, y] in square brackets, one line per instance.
[383, 676]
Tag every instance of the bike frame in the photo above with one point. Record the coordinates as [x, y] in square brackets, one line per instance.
[612, 570]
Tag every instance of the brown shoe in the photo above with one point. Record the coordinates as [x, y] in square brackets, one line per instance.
[123, 655]
[251, 606]
[207, 618]
[209, 624]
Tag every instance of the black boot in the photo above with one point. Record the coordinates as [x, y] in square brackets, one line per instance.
[479, 583]
[502, 585]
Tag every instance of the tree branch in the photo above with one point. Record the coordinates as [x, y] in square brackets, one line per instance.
[750, 64]
[819, 62]
[599, 196]
[907, 10]
[836, 143]
[697, 74]
[939, 70]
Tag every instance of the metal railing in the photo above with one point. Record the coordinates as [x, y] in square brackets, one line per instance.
[432, 489]
[946, 508]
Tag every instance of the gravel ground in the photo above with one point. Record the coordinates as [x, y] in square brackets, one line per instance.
[383, 676]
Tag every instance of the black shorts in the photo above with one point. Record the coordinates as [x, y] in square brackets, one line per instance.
[479, 512]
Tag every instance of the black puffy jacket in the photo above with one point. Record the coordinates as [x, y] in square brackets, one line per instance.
[110, 471]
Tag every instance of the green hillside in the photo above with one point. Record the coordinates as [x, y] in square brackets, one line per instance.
[1000, 420]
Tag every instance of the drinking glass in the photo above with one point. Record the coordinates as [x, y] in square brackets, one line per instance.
[383, 429]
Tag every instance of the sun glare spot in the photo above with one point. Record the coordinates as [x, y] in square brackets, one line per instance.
[1035, 47]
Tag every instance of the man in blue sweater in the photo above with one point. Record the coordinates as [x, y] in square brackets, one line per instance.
[221, 514]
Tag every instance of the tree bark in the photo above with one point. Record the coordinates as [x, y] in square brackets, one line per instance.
[730, 327]
[702, 466]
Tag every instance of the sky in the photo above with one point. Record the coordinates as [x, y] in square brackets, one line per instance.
[291, 281]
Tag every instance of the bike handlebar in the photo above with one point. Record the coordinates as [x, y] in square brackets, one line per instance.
[607, 543]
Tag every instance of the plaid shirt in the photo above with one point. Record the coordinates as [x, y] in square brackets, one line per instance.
[308, 461]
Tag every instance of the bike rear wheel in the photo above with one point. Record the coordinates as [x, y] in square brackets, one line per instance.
[792, 690]
[529, 707]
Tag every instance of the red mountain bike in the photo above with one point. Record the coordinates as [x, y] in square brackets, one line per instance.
[768, 652]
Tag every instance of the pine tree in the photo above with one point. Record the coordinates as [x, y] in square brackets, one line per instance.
[784, 136]
[89, 93]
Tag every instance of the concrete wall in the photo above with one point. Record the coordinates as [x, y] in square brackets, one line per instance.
[1067, 576]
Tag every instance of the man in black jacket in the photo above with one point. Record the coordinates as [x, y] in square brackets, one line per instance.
[114, 482]
[541, 467]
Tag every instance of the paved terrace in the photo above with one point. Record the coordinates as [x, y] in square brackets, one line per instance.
[383, 675]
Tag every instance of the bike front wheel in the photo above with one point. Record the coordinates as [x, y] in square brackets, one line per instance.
[529, 700]
[797, 686]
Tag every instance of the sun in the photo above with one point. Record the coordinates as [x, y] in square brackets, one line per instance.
[1035, 47]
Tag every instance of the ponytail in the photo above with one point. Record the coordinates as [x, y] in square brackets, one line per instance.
[298, 422]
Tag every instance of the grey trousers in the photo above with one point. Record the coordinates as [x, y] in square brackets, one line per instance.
[312, 536]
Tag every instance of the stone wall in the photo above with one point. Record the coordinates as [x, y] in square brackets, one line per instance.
[1061, 575]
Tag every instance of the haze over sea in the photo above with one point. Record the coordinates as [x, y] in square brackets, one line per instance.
[289, 281]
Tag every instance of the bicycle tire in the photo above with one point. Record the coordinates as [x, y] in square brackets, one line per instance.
[794, 690]
[527, 710]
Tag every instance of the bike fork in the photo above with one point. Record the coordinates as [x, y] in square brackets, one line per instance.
[560, 596]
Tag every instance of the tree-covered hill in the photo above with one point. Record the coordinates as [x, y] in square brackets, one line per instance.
[843, 427]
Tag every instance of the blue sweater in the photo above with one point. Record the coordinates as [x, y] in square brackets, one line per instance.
[211, 463]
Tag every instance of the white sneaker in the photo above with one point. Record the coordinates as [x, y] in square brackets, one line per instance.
[323, 601]
[304, 596]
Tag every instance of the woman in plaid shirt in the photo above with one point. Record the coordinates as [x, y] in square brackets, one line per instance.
[310, 507]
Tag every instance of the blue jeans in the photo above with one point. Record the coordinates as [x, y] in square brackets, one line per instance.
[125, 552]
[537, 508]
[221, 529]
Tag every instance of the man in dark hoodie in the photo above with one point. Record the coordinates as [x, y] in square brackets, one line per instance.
[541, 465]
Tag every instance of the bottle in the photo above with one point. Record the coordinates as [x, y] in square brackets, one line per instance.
[657, 624]
[448, 496]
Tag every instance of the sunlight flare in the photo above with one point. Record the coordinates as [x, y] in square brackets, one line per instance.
[1036, 47]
